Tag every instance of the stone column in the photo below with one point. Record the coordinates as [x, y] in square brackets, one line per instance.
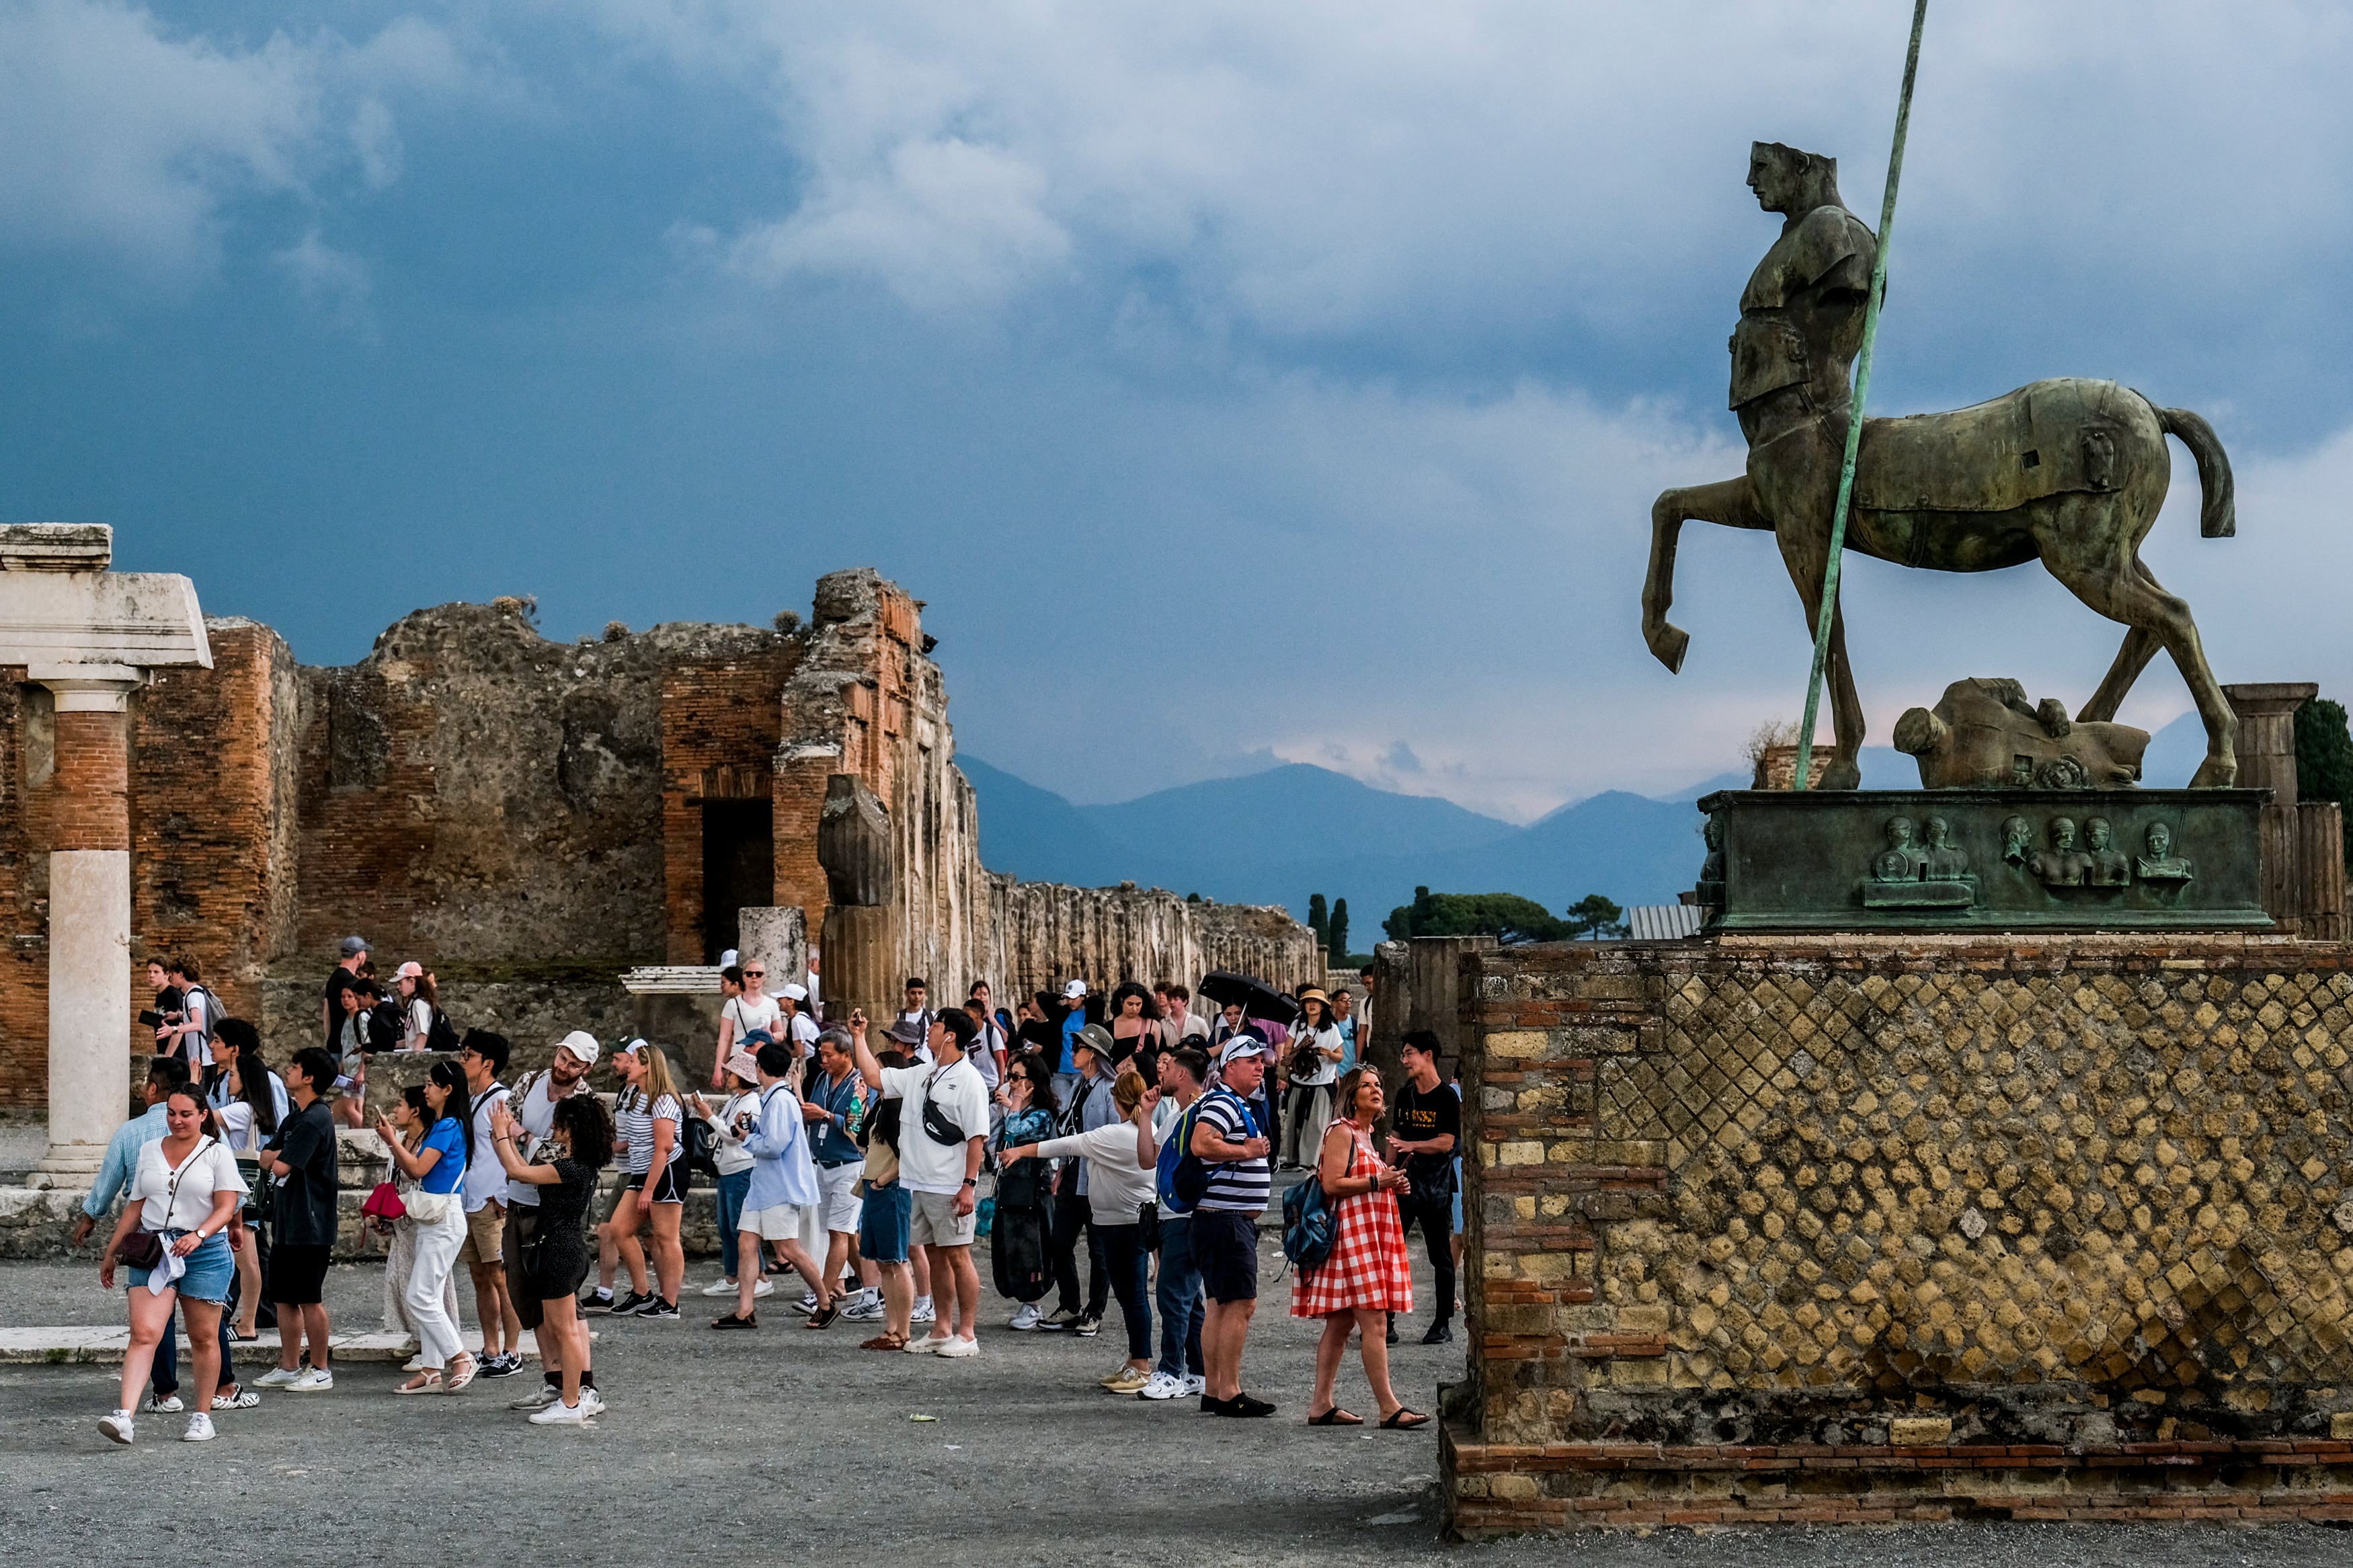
[89, 813]
[2266, 713]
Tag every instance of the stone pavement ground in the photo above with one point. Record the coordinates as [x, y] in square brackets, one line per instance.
[787, 1445]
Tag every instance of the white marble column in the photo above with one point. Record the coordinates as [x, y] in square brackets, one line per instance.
[89, 1009]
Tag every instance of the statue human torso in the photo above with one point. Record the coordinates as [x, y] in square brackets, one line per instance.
[1801, 314]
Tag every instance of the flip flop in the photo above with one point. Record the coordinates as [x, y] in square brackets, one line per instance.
[1335, 1416]
[1404, 1420]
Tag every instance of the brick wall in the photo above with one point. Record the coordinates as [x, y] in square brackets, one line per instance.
[1913, 1206]
[720, 720]
[24, 901]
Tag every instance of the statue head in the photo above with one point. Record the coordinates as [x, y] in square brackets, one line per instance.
[2017, 834]
[2063, 832]
[1940, 834]
[2160, 841]
[2097, 832]
[1899, 833]
[1791, 182]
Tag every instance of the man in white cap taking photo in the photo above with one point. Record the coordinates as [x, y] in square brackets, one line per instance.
[533, 1105]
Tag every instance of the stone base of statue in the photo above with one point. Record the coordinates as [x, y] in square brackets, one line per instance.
[1985, 859]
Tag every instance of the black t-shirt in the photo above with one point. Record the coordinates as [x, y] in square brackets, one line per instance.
[303, 1209]
[1419, 1117]
[339, 980]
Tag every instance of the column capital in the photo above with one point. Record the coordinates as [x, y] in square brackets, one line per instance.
[89, 687]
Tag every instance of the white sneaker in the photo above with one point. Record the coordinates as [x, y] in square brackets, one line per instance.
[806, 1304]
[168, 1405]
[1162, 1386]
[924, 1312]
[562, 1415]
[315, 1381]
[539, 1398]
[1025, 1319]
[592, 1402]
[415, 1362]
[958, 1349]
[762, 1285]
[277, 1377]
[924, 1344]
[720, 1287]
[243, 1399]
[118, 1426]
[200, 1429]
[1195, 1385]
[863, 1311]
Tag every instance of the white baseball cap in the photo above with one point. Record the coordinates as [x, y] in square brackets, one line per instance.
[794, 992]
[1243, 1045]
[581, 1043]
[1074, 990]
[727, 959]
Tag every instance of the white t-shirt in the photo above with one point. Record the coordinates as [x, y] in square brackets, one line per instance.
[202, 1010]
[210, 1169]
[1326, 1038]
[727, 1151]
[485, 1178]
[535, 1111]
[926, 1164]
[747, 1016]
[803, 1028]
[634, 1115]
[420, 1022]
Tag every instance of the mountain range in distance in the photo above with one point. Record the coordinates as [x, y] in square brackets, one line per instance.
[1278, 836]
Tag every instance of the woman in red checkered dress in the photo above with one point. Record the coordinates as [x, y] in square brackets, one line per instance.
[1366, 1277]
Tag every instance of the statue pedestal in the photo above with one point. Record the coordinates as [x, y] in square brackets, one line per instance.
[1986, 859]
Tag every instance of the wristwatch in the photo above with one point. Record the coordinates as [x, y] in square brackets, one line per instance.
[972, 1181]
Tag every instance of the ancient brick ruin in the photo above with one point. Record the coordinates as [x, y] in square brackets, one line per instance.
[532, 819]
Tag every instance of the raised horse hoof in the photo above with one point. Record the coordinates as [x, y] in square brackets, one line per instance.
[1668, 643]
[2216, 772]
[1841, 775]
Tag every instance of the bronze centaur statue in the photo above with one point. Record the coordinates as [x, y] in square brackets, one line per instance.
[2069, 472]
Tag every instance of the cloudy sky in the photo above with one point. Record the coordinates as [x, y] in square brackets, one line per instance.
[1234, 381]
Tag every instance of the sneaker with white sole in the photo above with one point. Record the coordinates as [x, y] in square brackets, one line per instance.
[763, 1287]
[118, 1426]
[562, 1415]
[863, 1311]
[1195, 1385]
[1025, 1318]
[721, 1287]
[315, 1381]
[1059, 1319]
[958, 1349]
[539, 1398]
[1130, 1382]
[200, 1429]
[167, 1405]
[592, 1402]
[1160, 1386]
[806, 1304]
[414, 1363]
[925, 1312]
[243, 1399]
[925, 1344]
[277, 1377]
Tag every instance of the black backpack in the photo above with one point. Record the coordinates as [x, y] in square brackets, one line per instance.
[699, 1146]
[384, 1027]
[441, 1035]
[1016, 1252]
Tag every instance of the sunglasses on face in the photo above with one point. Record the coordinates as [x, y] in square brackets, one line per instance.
[755, 974]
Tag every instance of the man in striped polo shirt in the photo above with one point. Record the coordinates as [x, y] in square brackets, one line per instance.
[1228, 1139]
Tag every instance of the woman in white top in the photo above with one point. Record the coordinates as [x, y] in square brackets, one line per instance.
[248, 1103]
[1316, 1044]
[648, 1121]
[1121, 1180]
[185, 1195]
[734, 1163]
[748, 1007]
[418, 999]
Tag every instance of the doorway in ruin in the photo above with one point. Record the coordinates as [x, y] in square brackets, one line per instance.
[739, 868]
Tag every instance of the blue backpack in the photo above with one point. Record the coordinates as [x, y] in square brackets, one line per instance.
[1183, 1176]
[1309, 1225]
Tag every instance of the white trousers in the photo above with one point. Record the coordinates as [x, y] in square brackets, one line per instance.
[430, 1298]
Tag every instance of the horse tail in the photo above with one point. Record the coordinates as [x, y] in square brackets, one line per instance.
[2218, 517]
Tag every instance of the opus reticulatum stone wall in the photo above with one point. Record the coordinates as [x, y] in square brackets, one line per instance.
[1850, 1228]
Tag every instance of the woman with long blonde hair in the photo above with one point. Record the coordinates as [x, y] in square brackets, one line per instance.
[649, 1117]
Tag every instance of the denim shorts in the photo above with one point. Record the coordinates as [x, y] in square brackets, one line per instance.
[211, 1266]
[882, 1226]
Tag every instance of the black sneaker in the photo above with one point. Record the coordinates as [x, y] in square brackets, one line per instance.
[1393, 1335]
[1087, 1327]
[1441, 1332]
[501, 1366]
[655, 1307]
[598, 1304]
[737, 1320]
[1061, 1318]
[1243, 1404]
[1213, 1405]
[628, 1306]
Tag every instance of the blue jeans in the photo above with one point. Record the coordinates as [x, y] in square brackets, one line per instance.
[164, 1376]
[1181, 1309]
[1121, 1246]
[731, 1189]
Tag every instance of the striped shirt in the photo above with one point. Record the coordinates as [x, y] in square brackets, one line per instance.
[1242, 1185]
[635, 1118]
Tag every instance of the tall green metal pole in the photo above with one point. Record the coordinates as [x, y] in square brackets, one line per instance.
[1862, 391]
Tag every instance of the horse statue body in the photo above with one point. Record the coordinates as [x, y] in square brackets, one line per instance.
[2069, 472]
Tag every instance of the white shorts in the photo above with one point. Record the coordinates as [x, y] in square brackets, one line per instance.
[787, 1222]
[844, 1205]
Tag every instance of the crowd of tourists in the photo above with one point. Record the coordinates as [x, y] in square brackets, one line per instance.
[869, 1160]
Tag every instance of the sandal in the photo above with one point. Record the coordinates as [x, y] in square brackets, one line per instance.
[1335, 1416]
[461, 1372]
[884, 1343]
[1404, 1420]
[423, 1383]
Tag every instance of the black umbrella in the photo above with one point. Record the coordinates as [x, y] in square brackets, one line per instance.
[1257, 998]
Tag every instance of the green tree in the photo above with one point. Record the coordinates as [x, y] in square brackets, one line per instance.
[2324, 756]
[1507, 917]
[1594, 917]
[1318, 921]
[1399, 925]
[1338, 930]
